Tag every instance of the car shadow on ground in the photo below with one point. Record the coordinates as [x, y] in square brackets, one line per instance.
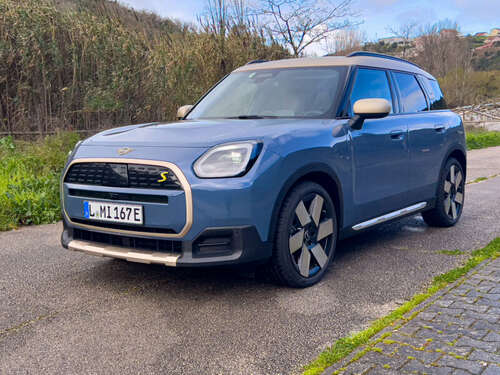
[250, 276]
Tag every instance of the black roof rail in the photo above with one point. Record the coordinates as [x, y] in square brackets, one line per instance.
[382, 56]
[256, 62]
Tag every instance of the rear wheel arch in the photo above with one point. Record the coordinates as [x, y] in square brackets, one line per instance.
[318, 173]
[458, 154]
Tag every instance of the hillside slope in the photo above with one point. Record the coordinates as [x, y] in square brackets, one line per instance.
[88, 64]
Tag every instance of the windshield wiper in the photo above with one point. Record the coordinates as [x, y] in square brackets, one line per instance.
[251, 117]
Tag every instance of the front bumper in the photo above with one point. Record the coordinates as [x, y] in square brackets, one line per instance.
[214, 246]
[208, 222]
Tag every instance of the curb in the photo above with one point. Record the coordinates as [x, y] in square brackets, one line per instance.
[417, 309]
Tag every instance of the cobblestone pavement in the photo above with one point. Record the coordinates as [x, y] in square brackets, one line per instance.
[457, 332]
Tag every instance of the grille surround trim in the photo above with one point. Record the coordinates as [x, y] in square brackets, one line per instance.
[177, 171]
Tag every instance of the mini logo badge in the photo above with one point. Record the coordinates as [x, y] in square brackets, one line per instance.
[125, 150]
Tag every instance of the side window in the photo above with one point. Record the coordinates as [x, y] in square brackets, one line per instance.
[370, 83]
[412, 96]
[436, 95]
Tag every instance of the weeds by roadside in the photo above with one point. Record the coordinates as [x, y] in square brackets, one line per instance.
[29, 179]
[482, 139]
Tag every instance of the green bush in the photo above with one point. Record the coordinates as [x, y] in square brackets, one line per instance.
[29, 179]
[482, 139]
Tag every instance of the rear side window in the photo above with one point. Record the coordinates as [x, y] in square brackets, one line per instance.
[435, 94]
[370, 83]
[412, 96]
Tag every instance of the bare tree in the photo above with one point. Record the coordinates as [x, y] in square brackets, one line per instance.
[343, 42]
[444, 53]
[406, 32]
[441, 49]
[220, 17]
[300, 23]
[214, 19]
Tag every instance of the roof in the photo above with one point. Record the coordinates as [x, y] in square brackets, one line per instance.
[377, 62]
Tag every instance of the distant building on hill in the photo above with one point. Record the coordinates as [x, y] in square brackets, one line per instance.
[495, 32]
[391, 40]
[482, 33]
[449, 32]
[490, 42]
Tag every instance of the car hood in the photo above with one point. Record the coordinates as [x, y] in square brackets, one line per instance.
[197, 133]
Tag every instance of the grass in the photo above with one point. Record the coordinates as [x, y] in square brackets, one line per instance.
[479, 179]
[29, 179]
[450, 252]
[344, 346]
[482, 139]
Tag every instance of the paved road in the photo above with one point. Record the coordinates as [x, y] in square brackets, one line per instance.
[65, 312]
[456, 332]
[483, 163]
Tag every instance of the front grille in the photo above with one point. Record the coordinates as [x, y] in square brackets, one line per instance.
[167, 246]
[123, 175]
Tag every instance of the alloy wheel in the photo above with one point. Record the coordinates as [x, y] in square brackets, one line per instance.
[311, 234]
[454, 192]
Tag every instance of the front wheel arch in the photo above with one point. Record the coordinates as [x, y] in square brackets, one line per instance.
[322, 175]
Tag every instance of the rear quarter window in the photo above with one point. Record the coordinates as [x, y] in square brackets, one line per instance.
[412, 96]
[436, 96]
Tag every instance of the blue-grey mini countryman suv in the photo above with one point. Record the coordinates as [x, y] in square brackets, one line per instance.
[273, 165]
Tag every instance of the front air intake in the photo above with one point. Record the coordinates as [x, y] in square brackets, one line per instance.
[123, 175]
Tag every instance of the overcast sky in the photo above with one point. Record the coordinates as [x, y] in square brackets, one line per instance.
[377, 15]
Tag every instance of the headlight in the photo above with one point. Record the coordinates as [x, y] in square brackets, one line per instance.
[229, 160]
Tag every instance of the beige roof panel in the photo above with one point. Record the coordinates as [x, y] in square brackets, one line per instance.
[377, 62]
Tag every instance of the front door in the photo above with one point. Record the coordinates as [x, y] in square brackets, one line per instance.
[380, 152]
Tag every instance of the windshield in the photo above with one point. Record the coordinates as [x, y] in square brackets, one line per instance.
[292, 92]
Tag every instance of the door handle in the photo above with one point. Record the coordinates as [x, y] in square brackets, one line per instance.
[439, 127]
[397, 135]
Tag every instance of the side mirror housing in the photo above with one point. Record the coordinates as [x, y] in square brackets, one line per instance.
[183, 111]
[369, 109]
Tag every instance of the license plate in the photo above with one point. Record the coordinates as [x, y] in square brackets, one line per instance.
[113, 212]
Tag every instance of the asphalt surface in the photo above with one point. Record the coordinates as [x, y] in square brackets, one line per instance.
[65, 312]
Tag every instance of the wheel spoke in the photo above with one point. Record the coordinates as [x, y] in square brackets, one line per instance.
[296, 241]
[453, 210]
[315, 209]
[320, 255]
[447, 204]
[447, 186]
[459, 198]
[304, 261]
[452, 174]
[302, 214]
[325, 229]
[458, 179]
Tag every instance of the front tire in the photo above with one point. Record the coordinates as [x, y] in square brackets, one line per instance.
[450, 197]
[306, 236]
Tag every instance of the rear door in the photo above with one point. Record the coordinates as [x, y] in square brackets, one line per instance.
[425, 137]
[380, 151]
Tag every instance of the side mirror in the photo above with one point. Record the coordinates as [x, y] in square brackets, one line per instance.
[368, 109]
[183, 111]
